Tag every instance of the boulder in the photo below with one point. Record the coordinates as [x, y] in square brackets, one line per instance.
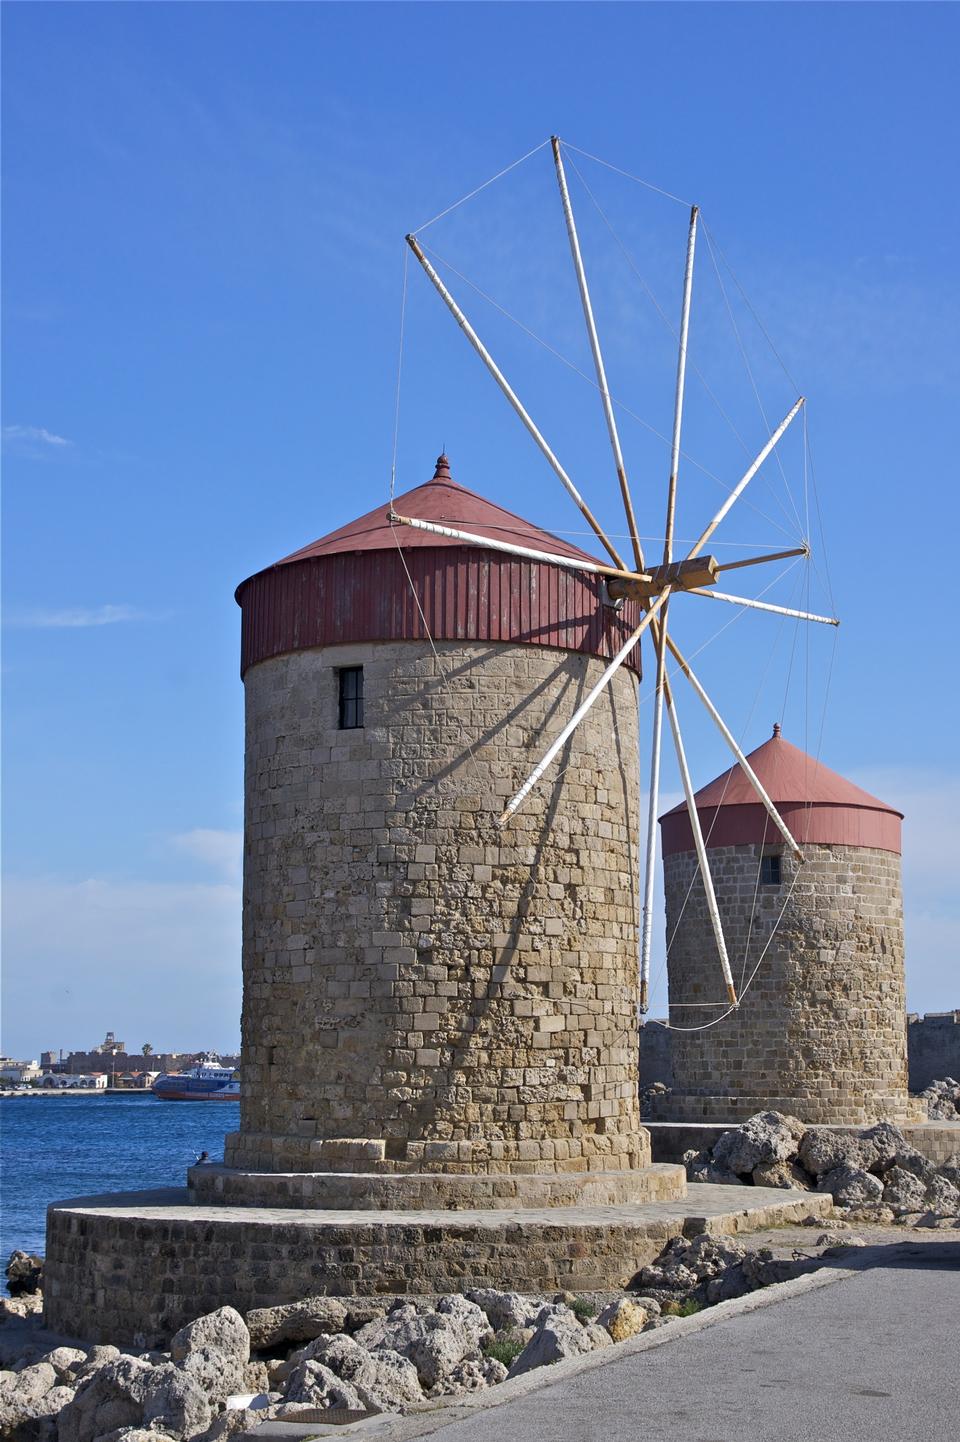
[215, 1349]
[951, 1169]
[388, 1380]
[942, 1197]
[471, 1376]
[135, 1434]
[851, 1186]
[27, 1399]
[109, 1398]
[823, 1151]
[623, 1318]
[470, 1316]
[782, 1174]
[503, 1309]
[97, 1357]
[316, 1385]
[66, 1362]
[903, 1191]
[765, 1137]
[24, 1274]
[557, 1338]
[435, 1343]
[882, 1145]
[179, 1401]
[296, 1322]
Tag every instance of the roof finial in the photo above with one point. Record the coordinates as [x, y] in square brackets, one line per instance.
[776, 728]
[442, 473]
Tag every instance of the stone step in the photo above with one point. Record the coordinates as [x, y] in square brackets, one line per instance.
[214, 1185]
[138, 1266]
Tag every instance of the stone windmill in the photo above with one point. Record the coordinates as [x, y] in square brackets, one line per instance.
[440, 952]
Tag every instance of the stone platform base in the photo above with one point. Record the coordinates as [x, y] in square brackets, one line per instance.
[728, 1111]
[935, 1140]
[213, 1185]
[134, 1267]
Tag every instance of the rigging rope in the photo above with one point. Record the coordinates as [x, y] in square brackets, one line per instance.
[464, 198]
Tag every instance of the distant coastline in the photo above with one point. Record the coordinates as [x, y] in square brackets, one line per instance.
[6, 1095]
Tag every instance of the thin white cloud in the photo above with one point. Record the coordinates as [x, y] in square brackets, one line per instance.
[75, 616]
[222, 851]
[37, 434]
[155, 961]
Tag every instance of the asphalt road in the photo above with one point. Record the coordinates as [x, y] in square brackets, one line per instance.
[875, 1356]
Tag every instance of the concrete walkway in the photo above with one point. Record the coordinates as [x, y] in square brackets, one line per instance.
[872, 1357]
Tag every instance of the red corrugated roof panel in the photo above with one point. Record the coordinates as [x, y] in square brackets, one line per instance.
[443, 500]
[816, 803]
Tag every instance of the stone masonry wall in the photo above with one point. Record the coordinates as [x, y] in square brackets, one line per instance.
[821, 1030]
[933, 1047]
[423, 990]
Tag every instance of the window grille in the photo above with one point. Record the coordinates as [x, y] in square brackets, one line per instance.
[351, 698]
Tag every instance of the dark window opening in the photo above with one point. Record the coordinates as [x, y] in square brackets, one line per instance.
[351, 698]
[770, 873]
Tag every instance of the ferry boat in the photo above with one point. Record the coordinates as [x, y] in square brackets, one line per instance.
[207, 1082]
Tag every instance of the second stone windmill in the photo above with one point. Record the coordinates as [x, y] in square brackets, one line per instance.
[656, 587]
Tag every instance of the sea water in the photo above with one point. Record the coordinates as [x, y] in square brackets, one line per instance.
[54, 1148]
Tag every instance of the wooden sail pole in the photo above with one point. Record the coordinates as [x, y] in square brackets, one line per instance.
[515, 402]
[763, 606]
[701, 850]
[581, 710]
[512, 548]
[745, 480]
[678, 397]
[597, 353]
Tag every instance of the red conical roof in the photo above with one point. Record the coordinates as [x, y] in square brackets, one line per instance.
[372, 581]
[816, 803]
[443, 500]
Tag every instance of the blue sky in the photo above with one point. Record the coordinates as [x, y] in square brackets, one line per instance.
[203, 256]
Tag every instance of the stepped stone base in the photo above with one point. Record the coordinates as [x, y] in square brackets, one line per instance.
[421, 1191]
[134, 1267]
[727, 1110]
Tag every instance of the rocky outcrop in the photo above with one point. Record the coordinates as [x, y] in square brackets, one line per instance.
[873, 1173]
[942, 1100]
[24, 1274]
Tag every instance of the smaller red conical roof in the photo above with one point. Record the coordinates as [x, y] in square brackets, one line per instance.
[816, 803]
[443, 500]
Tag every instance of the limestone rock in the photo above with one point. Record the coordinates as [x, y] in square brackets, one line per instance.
[903, 1191]
[296, 1321]
[28, 1397]
[432, 1341]
[824, 1151]
[178, 1400]
[97, 1357]
[256, 1378]
[782, 1174]
[503, 1309]
[383, 1377]
[942, 1197]
[315, 1384]
[471, 1376]
[951, 1169]
[851, 1186]
[111, 1397]
[215, 1349]
[470, 1316]
[765, 1137]
[134, 1434]
[557, 1338]
[650, 1304]
[623, 1318]
[66, 1362]
[24, 1274]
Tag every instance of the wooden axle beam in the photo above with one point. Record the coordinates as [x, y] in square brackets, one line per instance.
[680, 575]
